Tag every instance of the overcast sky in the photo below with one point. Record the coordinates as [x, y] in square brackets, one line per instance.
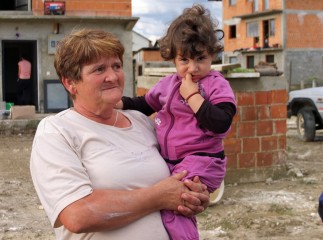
[156, 15]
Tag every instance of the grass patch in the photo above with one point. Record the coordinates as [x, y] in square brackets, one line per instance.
[280, 210]
[241, 70]
[227, 224]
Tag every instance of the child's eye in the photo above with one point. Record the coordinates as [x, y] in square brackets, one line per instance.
[201, 58]
[183, 59]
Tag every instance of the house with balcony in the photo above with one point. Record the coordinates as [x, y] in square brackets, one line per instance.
[286, 33]
[34, 27]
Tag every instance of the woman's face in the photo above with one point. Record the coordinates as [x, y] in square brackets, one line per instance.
[101, 86]
[198, 67]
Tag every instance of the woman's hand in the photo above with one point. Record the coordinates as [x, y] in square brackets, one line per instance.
[195, 201]
[170, 191]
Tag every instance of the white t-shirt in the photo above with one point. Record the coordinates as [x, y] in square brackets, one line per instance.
[72, 155]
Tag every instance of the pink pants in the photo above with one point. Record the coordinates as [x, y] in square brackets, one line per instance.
[211, 172]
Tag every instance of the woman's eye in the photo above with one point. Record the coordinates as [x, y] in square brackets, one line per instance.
[100, 69]
[117, 67]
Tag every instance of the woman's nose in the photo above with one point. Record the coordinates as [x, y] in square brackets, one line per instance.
[110, 75]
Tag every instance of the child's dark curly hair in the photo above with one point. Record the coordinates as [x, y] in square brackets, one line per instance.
[191, 34]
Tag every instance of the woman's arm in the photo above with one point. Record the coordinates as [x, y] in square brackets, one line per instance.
[111, 209]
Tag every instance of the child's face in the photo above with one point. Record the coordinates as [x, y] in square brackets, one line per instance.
[198, 67]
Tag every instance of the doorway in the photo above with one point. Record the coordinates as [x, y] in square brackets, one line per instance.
[11, 52]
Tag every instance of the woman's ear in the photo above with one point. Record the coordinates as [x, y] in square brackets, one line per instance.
[69, 85]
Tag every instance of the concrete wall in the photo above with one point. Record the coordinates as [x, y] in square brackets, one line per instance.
[40, 28]
[258, 56]
[303, 65]
[32, 25]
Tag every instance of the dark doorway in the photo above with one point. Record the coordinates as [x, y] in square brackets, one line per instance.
[266, 34]
[11, 52]
[13, 5]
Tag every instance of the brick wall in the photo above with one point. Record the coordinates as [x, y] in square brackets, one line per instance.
[90, 7]
[301, 28]
[304, 4]
[258, 136]
[244, 7]
[242, 41]
[301, 16]
[148, 56]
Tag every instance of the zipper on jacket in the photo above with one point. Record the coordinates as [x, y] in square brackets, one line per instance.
[172, 118]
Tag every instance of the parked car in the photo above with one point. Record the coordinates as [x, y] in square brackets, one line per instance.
[307, 105]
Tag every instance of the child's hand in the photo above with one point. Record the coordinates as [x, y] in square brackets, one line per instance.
[188, 86]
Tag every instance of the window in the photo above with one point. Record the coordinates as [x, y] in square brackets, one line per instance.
[255, 6]
[233, 60]
[270, 58]
[250, 61]
[233, 31]
[56, 97]
[253, 29]
[272, 27]
[269, 28]
[15, 5]
[140, 70]
[266, 4]
[232, 2]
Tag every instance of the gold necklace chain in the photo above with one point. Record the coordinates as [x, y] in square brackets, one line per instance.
[115, 121]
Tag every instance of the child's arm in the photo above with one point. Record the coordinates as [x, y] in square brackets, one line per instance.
[135, 103]
[216, 118]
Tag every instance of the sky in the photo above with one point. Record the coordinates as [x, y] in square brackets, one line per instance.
[156, 15]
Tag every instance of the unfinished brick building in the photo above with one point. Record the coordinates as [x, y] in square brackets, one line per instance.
[286, 32]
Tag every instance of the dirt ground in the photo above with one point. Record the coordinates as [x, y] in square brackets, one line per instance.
[276, 209]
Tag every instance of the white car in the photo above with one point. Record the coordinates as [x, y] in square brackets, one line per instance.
[307, 105]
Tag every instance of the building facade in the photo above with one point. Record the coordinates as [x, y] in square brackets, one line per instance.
[288, 33]
[33, 28]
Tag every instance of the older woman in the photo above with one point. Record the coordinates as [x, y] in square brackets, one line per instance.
[97, 170]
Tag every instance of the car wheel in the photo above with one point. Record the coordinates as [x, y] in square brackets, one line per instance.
[306, 125]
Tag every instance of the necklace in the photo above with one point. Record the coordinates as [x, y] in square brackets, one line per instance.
[115, 121]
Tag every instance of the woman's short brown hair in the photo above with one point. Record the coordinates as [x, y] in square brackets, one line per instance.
[84, 47]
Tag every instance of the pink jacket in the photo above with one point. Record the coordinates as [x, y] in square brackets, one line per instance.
[177, 129]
